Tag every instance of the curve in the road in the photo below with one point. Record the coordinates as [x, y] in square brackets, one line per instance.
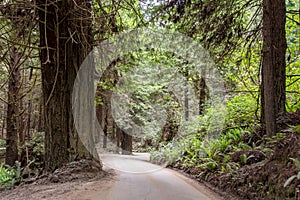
[141, 180]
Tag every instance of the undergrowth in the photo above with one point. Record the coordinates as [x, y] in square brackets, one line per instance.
[206, 154]
[9, 176]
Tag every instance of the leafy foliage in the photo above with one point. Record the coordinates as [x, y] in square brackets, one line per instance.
[35, 149]
[241, 111]
[9, 176]
[206, 154]
[293, 56]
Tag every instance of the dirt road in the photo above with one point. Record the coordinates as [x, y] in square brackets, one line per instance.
[134, 178]
[140, 180]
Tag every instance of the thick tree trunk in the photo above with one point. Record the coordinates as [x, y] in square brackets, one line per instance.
[12, 109]
[273, 69]
[126, 143]
[65, 36]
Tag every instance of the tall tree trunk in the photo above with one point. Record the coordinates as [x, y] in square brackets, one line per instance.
[203, 95]
[273, 69]
[126, 143]
[118, 138]
[13, 109]
[3, 122]
[29, 108]
[186, 95]
[103, 110]
[65, 34]
[186, 101]
[105, 115]
[21, 123]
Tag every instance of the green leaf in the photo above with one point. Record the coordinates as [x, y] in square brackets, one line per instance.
[287, 182]
[243, 158]
[297, 129]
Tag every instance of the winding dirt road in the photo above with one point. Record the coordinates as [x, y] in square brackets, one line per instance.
[138, 179]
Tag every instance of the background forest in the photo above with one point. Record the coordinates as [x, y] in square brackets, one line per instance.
[254, 44]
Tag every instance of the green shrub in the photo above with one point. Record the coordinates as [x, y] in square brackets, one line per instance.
[209, 154]
[213, 154]
[241, 111]
[7, 177]
[35, 148]
[168, 153]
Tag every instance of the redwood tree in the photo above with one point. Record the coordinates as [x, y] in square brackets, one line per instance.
[273, 66]
[65, 40]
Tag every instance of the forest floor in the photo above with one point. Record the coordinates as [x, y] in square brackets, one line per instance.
[264, 179]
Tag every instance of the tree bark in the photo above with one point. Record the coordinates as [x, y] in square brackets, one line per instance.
[273, 68]
[103, 110]
[3, 121]
[65, 35]
[105, 127]
[203, 95]
[29, 108]
[126, 143]
[11, 155]
[40, 123]
[118, 138]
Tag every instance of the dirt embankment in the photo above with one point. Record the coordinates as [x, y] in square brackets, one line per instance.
[265, 180]
[72, 181]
